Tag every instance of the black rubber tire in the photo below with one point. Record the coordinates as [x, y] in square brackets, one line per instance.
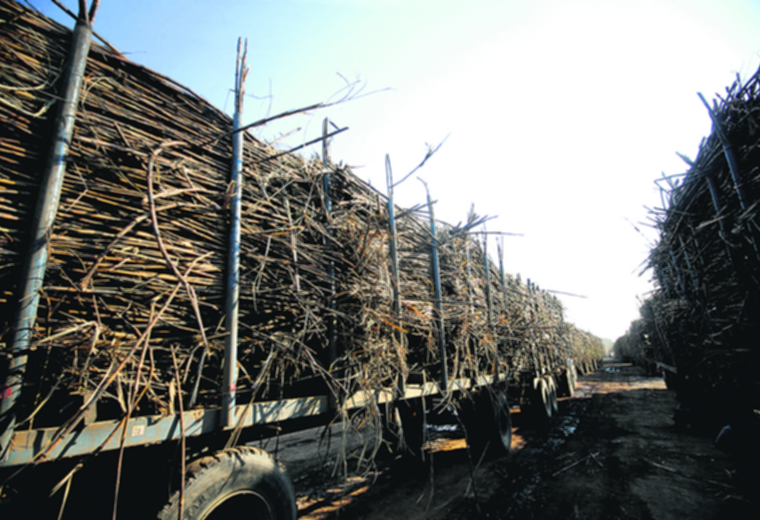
[489, 424]
[503, 423]
[572, 375]
[545, 395]
[553, 395]
[536, 405]
[566, 384]
[241, 482]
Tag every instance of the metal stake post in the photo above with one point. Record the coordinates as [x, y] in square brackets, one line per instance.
[394, 266]
[468, 275]
[332, 350]
[438, 301]
[233, 256]
[51, 182]
[489, 300]
[500, 250]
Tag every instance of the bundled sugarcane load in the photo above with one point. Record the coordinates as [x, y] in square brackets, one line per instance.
[132, 305]
[702, 319]
[637, 345]
[587, 350]
[631, 346]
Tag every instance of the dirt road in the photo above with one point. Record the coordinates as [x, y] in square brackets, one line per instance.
[612, 454]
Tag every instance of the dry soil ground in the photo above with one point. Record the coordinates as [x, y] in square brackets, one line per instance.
[613, 453]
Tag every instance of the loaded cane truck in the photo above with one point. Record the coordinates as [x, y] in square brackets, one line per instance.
[700, 327]
[172, 289]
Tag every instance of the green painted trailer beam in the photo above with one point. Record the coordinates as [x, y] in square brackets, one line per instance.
[33, 445]
[40, 445]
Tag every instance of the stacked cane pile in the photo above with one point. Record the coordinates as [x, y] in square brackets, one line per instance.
[138, 256]
[703, 315]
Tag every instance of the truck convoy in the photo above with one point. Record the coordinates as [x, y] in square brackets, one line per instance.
[170, 285]
[700, 327]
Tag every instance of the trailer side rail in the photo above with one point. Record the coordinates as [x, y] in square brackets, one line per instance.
[35, 445]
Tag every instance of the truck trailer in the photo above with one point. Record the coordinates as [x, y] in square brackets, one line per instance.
[699, 327]
[173, 288]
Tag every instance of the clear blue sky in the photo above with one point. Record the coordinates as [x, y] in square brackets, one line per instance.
[560, 114]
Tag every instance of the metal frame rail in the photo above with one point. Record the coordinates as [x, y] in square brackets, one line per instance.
[27, 446]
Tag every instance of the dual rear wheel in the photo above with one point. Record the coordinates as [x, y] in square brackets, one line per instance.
[486, 419]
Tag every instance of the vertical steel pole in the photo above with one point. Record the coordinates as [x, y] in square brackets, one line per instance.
[326, 166]
[229, 390]
[392, 239]
[489, 300]
[468, 274]
[438, 301]
[392, 245]
[500, 250]
[332, 349]
[51, 182]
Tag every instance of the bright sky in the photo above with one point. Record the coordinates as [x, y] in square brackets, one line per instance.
[560, 114]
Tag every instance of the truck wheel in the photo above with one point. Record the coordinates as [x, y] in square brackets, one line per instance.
[553, 394]
[566, 385]
[489, 423]
[572, 375]
[546, 409]
[538, 409]
[241, 482]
